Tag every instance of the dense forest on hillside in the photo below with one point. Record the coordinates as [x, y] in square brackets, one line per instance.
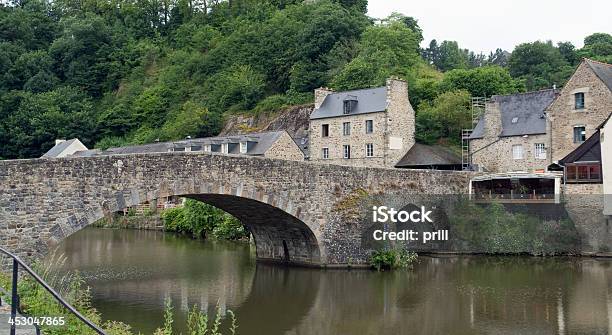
[113, 72]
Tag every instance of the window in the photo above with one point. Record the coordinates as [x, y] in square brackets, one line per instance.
[369, 126]
[579, 100]
[207, 148]
[517, 151]
[225, 148]
[346, 128]
[325, 153]
[347, 151]
[196, 148]
[540, 151]
[583, 173]
[346, 107]
[579, 134]
[369, 150]
[325, 130]
[243, 147]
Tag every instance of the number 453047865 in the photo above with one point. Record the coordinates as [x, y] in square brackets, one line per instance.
[37, 320]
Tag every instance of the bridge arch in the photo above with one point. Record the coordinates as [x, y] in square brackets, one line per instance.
[275, 222]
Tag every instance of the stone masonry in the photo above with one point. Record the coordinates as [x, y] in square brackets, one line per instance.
[495, 153]
[392, 136]
[564, 116]
[296, 211]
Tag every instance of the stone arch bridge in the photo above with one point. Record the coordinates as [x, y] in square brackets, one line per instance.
[296, 211]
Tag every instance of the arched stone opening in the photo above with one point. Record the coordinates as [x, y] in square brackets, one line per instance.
[279, 236]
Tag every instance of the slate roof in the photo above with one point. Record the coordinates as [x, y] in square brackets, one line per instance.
[589, 151]
[527, 109]
[428, 155]
[263, 142]
[602, 70]
[58, 148]
[369, 100]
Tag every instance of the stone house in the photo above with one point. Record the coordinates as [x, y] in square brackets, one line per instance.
[65, 148]
[366, 127]
[511, 135]
[583, 104]
[273, 144]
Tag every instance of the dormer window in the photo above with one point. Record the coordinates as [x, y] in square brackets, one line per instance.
[514, 119]
[347, 107]
[349, 104]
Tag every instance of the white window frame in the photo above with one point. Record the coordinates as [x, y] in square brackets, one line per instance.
[225, 148]
[540, 151]
[325, 153]
[346, 128]
[207, 148]
[346, 151]
[369, 149]
[244, 147]
[518, 152]
[371, 129]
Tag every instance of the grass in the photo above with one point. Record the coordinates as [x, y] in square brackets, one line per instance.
[36, 301]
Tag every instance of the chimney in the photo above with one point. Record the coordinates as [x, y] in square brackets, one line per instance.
[320, 94]
[59, 141]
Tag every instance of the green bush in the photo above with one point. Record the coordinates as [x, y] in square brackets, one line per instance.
[492, 229]
[200, 220]
[391, 259]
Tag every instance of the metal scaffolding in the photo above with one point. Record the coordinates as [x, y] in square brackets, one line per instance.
[478, 109]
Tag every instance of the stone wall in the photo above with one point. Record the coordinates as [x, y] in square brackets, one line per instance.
[400, 121]
[496, 155]
[357, 140]
[289, 207]
[585, 205]
[285, 148]
[392, 127]
[563, 115]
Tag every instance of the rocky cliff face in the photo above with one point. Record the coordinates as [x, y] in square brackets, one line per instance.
[293, 119]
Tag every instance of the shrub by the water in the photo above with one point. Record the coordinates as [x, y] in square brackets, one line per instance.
[201, 220]
[391, 259]
[492, 229]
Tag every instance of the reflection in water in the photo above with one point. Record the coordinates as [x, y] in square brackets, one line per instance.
[131, 272]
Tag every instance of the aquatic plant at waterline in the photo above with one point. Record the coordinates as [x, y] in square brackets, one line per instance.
[197, 321]
[391, 259]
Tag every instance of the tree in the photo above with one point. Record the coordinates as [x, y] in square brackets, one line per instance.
[444, 118]
[568, 51]
[499, 57]
[481, 82]
[384, 50]
[597, 46]
[448, 56]
[540, 64]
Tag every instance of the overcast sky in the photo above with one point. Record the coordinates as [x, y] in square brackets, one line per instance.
[484, 25]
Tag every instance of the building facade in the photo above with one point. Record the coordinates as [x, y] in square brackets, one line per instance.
[367, 127]
[272, 144]
[583, 104]
[511, 135]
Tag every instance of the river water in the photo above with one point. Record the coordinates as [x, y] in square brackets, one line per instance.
[132, 272]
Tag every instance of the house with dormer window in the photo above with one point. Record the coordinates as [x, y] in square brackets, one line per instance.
[367, 127]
